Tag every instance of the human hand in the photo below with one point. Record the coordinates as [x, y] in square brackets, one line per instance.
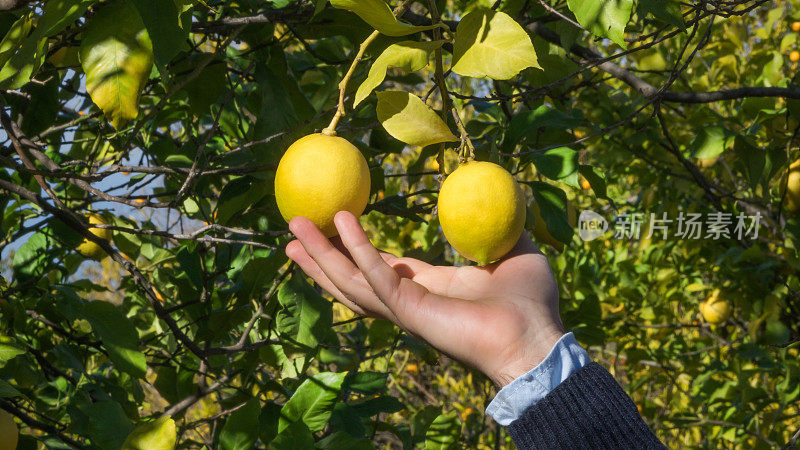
[501, 319]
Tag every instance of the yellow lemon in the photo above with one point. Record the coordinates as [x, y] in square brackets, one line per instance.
[715, 310]
[482, 211]
[88, 248]
[159, 434]
[707, 162]
[791, 184]
[319, 176]
[9, 434]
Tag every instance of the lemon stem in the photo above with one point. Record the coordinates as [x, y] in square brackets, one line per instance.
[447, 104]
[330, 130]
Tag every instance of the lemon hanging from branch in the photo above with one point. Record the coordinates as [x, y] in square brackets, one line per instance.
[90, 249]
[319, 176]
[481, 211]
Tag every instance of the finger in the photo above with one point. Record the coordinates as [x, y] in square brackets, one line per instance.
[342, 273]
[337, 242]
[435, 318]
[410, 265]
[405, 298]
[298, 254]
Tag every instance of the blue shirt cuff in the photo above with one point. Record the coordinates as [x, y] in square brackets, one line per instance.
[564, 358]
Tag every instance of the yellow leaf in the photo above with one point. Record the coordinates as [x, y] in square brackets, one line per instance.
[408, 119]
[159, 434]
[117, 56]
[491, 44]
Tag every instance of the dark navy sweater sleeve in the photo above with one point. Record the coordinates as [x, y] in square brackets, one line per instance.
[589, 410]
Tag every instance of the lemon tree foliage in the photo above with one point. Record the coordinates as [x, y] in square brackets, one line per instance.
[490, 44]
[408, 119]
[408, 56]
[145, 297]
[116, 55]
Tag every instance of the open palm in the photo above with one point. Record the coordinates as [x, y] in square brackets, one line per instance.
[502, 319]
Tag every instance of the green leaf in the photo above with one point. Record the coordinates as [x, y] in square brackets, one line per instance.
[491, 44]
[422, 421]
[241, 429]
[296, 436]
[32, 256]
[368, 383]
[7, 390]
[313, 401]
[552, 203]
[558, 163]
[378, 14]
[344, 418]
[443, 432]
[343, 441]
[319, 6]
[117, 56]
[408, 56]
[668, 11]
[58, 14]
[306, 317]
[408, 119]
[14, 38]
[163, 22]
[259, 273]
[527, 124]
[604, 18]
[775, 333]
[191, 265]
[750, 158]
[118, 335]
[268, 421]
[21, 67]
[159, 434]
[238, 195]
[8, 352]
[375, 406]
[108, 424]
[710, 142]
[596, 181]
[204, 90]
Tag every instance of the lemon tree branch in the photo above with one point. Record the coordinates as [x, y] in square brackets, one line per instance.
[447, 103]
[330, 130]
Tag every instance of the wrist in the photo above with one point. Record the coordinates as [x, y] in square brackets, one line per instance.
[527, 357]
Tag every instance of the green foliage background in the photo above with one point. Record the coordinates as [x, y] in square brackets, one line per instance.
[168, 118]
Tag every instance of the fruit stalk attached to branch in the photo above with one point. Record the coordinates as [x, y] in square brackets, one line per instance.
[330, 130]
[447, 103]
[439, 77]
